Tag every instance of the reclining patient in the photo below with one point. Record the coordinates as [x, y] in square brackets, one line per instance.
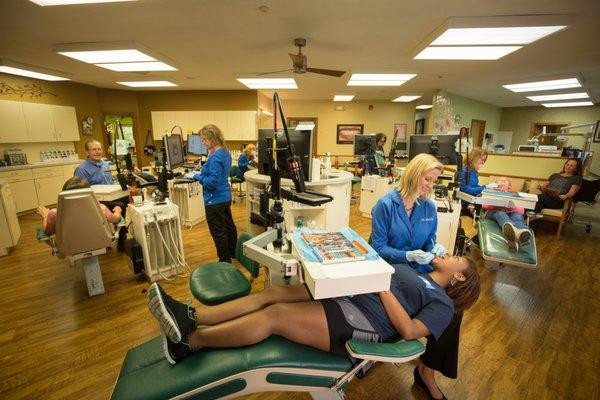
[417, 305]
[49, 216]
[511, 220]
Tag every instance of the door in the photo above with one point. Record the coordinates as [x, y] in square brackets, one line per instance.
[292, 122]
[477, 131]
[65, 123]
[48, 189]
[24, 195]
[40, 126]
[12, 122]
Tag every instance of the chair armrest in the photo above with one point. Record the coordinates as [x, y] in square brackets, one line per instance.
[401, 351]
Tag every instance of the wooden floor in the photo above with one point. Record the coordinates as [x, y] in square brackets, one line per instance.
[534, 334]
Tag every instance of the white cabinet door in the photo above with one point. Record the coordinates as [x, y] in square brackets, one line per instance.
[48, 189]
[177, 119]
[40, 126]
[234, 125]
[69, 170]
[65, 123]
[199, 119]
[12, 122]
[248, 121]
[220, 120]
[24, 195]
[158, 124]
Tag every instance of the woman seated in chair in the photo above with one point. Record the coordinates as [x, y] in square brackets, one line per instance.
[49, 216]
[560, 187]
[417, 305]
[510, 219]
[246, 160]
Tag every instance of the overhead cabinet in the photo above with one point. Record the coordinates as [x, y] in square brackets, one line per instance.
[236, 125]
[33, 122]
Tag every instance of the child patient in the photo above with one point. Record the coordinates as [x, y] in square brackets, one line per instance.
[510, 219]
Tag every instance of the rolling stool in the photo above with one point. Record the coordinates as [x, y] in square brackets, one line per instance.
[235, 179]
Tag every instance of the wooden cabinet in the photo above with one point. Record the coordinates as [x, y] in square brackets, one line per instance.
[65, 123]
[25, 195]
[40, 126]
[236, 125]
[158, 124]
[68, 170]
[249, 126]
[48, 189]
[12, 122]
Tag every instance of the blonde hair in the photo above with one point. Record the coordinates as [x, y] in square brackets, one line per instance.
[249, 149]
[213, 135]
[476, 154]
[415, 170]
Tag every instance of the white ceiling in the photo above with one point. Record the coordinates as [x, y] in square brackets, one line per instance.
[214, 41]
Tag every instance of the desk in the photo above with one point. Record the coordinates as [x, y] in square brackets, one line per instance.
[109, 192]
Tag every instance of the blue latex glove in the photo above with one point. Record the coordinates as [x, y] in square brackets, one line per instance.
[491, 185]
[438, 250]
[419, 256]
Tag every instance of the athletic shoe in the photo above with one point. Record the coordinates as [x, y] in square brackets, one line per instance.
[175, 352]
[523, 236]
[533, 215]
[508, 230]
[177, 320]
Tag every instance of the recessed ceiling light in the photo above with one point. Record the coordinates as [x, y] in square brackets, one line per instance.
[406, 99]
[564, 96]
[108, 56]
[568, 104]
[14, 68]
[66, 2]
[269, 83]
[379, 79]
[544, 85]
[497, 36]
[465, 52]
[424, 107]
[138, 66]
[343, 97]
[148, 84]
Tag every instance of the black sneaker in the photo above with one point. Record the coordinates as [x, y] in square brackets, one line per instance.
[177, 320]
[175, 352]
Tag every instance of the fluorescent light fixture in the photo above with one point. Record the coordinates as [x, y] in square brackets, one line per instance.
[108, 56]
[66, 2]
[30, 71]
[148, 84]
[379, 79]
[343, 97]
[405, 99]
[305, 126]
[424, 107]
[465, 52]
[544, 85]
[564, 96]
[138, 66]
[494, 36]
[269, 83]
[568, 104]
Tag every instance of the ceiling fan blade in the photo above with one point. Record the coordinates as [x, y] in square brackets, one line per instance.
[330, 72]
[274, 72]
[298, 59]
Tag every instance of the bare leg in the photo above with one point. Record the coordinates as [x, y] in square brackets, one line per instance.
[303, 323]
[427, 374]
[211, 315]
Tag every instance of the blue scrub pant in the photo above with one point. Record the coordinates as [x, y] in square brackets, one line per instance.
[501, 217]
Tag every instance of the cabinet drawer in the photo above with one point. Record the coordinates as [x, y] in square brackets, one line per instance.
[16, 175]
[46, 172]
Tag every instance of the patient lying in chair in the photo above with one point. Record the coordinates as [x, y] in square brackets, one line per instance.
[511, 220]
[49, 215]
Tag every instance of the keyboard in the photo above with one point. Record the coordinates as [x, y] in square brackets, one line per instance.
[312, 197]
[183, 180]
[190, 165]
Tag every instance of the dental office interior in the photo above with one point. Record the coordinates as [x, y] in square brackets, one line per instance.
[522, 76]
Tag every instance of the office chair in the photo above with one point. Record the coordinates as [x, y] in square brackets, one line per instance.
[586, 196]
[235, 179]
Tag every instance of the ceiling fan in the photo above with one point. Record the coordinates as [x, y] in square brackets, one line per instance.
[300, 64]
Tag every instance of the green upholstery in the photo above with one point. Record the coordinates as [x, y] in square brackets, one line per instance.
[252, 266]
[233, 171]
[218, 282]
[356, 179]
[146, 374]
[41, 235]
[494, 246]
[389, 351]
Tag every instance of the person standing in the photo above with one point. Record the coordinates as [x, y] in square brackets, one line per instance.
[217, 192]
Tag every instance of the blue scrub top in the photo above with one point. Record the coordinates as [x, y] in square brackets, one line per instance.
[394, 232]
[243, 163]
[214, 178]
[473, 188]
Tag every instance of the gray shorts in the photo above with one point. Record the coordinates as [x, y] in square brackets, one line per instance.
[345, 322]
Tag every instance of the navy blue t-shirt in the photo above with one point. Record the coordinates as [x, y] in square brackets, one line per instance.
[421, 297]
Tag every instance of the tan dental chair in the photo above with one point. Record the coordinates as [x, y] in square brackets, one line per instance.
[82, 233]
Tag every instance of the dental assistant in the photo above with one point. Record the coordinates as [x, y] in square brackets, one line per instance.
[468, 175]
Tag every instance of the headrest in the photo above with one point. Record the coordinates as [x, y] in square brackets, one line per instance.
[80, 223]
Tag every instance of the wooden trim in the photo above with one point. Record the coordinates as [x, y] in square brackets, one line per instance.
[487, 174]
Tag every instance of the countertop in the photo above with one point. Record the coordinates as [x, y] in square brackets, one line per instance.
[40, 165]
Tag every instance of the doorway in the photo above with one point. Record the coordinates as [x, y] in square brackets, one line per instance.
[292, 122]
[477, 131]
[128, 133]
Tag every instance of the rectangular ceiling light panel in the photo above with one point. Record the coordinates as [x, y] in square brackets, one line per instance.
[494, 36]
[564, 96]
[405, 99]
[424, 107]
[343, 97]
[465, 52]
[544, 85]
[379, 79]
[148, 84]
[108, 56]
[568, 104]
[30, 74]
[138, 66]
[269, 83]
[68, 2]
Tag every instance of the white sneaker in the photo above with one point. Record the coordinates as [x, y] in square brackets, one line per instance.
[510, 234]
[533, 215]
[523, 236]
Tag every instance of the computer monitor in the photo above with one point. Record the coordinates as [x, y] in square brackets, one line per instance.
[364, 145]
[300, 140]
[440, 146]
[174, 146]
[195, 145]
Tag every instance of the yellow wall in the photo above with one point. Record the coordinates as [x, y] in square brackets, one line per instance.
[470, 109]
[381, 118]
[530, 167]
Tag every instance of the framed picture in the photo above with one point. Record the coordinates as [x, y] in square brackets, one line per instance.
[420, 126]
[345, 133]
[400, 132]
[597, 132]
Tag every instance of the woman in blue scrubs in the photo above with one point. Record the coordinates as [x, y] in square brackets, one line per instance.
[468, 176]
